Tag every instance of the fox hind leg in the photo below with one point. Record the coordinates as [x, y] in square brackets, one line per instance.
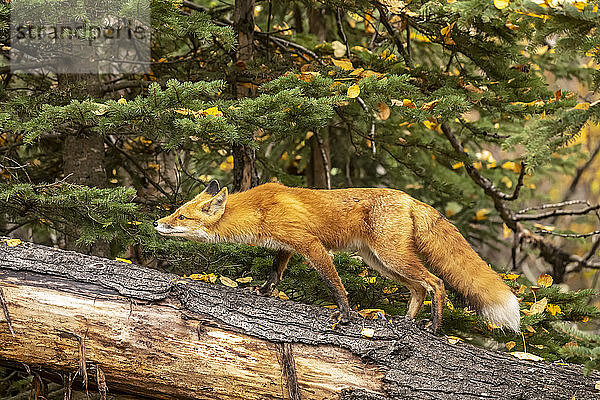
[417, 292]
[405, 267]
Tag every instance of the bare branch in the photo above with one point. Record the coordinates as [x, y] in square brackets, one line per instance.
[553, 205]
[372, 130]
[340, 27]
[324, 159]
[555, 213]
[569, 235]
[392, 32]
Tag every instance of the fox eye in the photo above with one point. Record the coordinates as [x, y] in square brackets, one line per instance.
[181, 217]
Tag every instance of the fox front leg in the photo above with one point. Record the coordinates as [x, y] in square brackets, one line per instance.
[282, 257]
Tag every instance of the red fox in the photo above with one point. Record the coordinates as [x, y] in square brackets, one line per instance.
[394, 233]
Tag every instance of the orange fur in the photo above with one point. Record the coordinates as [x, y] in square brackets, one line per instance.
[394, 233]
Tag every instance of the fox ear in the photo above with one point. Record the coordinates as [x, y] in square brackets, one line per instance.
[216, 205]
[212, 188]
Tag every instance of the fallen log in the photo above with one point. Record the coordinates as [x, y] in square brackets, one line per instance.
[149, 333]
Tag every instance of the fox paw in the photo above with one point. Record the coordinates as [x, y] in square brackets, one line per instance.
[265, 290]
[340, 318]
[426, 325]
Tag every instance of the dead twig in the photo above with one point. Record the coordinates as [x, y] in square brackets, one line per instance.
[6, 314]
[555, 213]
[363, 105]
[568, 235]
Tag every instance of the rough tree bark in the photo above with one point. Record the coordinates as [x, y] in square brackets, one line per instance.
[155, 334]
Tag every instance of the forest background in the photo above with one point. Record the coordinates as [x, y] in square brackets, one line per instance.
[487, 110]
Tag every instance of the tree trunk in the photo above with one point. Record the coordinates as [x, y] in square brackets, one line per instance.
[317, 173]
[160, 336]
[83, 153]
[245, 175]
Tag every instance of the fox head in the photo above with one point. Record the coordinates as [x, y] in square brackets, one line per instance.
[194, 219]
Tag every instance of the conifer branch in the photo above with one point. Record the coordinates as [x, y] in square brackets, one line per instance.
[476, 131]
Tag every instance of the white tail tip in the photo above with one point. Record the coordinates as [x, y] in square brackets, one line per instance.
[505, 315]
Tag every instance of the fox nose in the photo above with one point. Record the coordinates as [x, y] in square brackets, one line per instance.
[155, 224]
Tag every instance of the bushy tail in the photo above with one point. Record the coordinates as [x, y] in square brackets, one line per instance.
[452, 258]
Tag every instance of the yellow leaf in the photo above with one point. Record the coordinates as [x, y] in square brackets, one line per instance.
[582, 106]
[228, 282]
[339, 49]
[14, 242]
[368, 332]
[513, 166]
[122, 100]
[458, 165]
[357, 72]
[353, 91]
[477, 165]
[510, 345]
[511, 277]
[431, 125]
[430, 105]
[370, 279]
[539, 306]
[449, 304]
[343, 64]
[214, 111]
[481, 214]
[183, 111]
[585, 319]
[507, 182]
[554, 309]
[580, 5]
[492, 326]
[123, 260]
[522, 289]
[526, 356]
[408, 103]
[102, 108]
[445, 30]
[209, 278]
[506, 231]
[247, 279]
[545, 280]
[368, 73]
[384, 111]
[501, 4]
[454, 339]
[282, 296]
[371, 313]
